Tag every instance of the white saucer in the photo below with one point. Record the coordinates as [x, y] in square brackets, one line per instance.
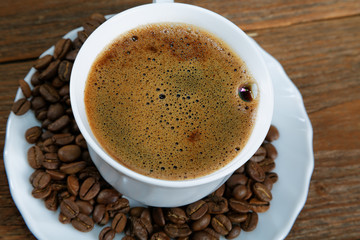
[294, 166]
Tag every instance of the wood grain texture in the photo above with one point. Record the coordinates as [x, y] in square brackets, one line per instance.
[318, 44]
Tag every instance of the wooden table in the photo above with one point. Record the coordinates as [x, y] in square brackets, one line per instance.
[317, 42]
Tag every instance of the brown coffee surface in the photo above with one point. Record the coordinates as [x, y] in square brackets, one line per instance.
[163, 101]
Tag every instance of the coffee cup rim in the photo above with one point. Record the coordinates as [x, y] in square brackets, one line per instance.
[91, 140]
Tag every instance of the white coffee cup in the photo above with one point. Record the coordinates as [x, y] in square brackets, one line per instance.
[147, 190]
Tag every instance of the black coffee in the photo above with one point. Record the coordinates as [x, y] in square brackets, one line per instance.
[164, 101]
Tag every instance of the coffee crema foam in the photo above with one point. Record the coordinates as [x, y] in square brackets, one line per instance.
[163, 101]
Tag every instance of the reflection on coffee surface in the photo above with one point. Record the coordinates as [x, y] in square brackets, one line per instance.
[167, 101]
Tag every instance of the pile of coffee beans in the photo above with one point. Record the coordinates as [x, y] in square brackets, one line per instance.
[66, 178]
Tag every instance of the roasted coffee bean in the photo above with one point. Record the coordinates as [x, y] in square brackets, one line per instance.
[49, 93]
[63, 138]
[69, 153]
[41, 193]
[267, 164]
[80, 141]
[57, 83]
[98, 17]
[49, 72]
[249, 189]
[69, 208]
[51, 161]
[137, 229]
[136, 211]
[38, 103]
[64, 70]
[259, 206]
[105, 219]
[201, 223]
[239, 192]
[273, 134]
[64, 219]
[236, 217]
[62, 47]
[273, 176]
[240, 170]
[73, 168]
[221, 224]
[217, 205]
[35, 92]
[34, 174]
[175, 230]
[84, 207]
[77, 43]
[268, 183]
[43, 62]
[21, 106]
[107, 196]
[89, 189]
[83, 223]
[82, 36]
[146, 222]
[259, 155]
[74, 127]
[69, 112]
[121, 205]
[236, 179]
[25, 88]
[271, 151]
[240, 206]
[85, 156]
[234, 233]
[262, 192]
[48, 142]
[41, 180]
[107, 233]
[251, 222]
[197, 209]
[212, 233]
[58, 186]
[73, 185]
[65, 195]
[100, 213]
[35, 81]
[59, 123]
[202, 235]
[55, 111]
[90, 26]
[52, 201]
[46, 134]
[49, 147]
[35, 157]
[255, 171]
[145, 214]
[119, 222]
[71, 55]
[159, 236]
[64, 91]
[176, 215]
[89, 172]
[158, 216]
[41, 114]
[220, 191]
[33, 134]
